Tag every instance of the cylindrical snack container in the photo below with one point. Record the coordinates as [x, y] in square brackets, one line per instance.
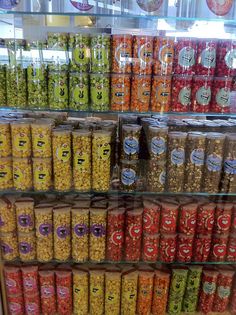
[169, 217]
[41, 131]
[208, 289]
[27, 246]
[130, 144]
[223, 217]
[57, 41]
[21, 139]
[9, 247]
[206, 57]
[16, 304]
[161, 94]
[151, 217]
[25, 214]
[163, 55]
[112, 292]
[232, 298]
[64, 292]
[6, 177]
[121, 53]
[42, 174]
[58, 95]
[202, 247]
[145, 290]
[5, 139]
[78, 91]
[184, 248]
[225, 58]
[100, 53]
[228, 176]
[181, 93]
[47, 291]
[221, 91]
[100, 92]
[13, 280]
[142, 54]
[80, 291]
[167, 249]
[231, 248]
[129, 291]
[22, 174]
[8, 214]
[140, 93]
[120, 92]
[150, 247]
[219, 247]
[160, 292]
[16, 86]
[201, 94]
[187, 218]
[185, 56]
[96, 291]
[205, 218]
[156, 176]
[30, 280]
[157, 142]
[79, 43]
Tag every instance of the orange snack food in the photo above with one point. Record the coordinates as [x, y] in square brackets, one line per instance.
[140, 93]
[161, 93]
[142, 54]
[145, 287]
[163, 53]
[121, 53]
[160, 292]
[120, 92]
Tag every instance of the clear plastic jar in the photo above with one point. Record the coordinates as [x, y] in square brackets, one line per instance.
[129, 173]
[185, 56]
[79, 91]
[157, 142]
[3, 91]
[163, 55]
[41, 131]
[100, 92]
[221, 90]
[27, 246]
[7, 214]
[22, 174]
[201, 94]
[140, 93]
[42, 174]
[120, 92]
[142, 54]
[5, 139]
[156, 175]
[80, 45]
[100, 53]
[9, 246]
[6, 177]
[206, 57]
[225, 58]
[80, 291]
[21, 139]
[16, 87]
[161, 94]
[58, 95]
[130, 142]
[228, 182]
[25, 214]
[57, 41]
[121, 53]
[181, 93]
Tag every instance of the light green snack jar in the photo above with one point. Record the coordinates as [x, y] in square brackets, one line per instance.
[99, 92]
[79, 91]
[58, 89]
[3, 94]
[80, 48]
[57, 41]
[100, 53]
[16, 87]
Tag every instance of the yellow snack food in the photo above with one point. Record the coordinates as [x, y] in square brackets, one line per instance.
[129, 292]
[25, 214]
[9, 245]
[6, 178]
[26, 243]
[22, 174]
[5, 139]
[21, 139]
[96, 290]
[112, 294]
[7, 214]
[42, 138]
[80, 292]
[42, 174]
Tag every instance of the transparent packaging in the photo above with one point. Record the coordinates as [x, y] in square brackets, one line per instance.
[16, 85]
[21, 139]
[100, 53]
[163, 54]
[121, 53]
[129, 292]
[80, 45]
[221, 91]
[140, 93]
[58, 89]
[185, 56]
[5, 139]
[145, 289]
[228, 182]
[161, 283]
[181, 93]
[120, 92]
[25, 214]
[184, 250]
[64, 292]
[32, 302]
[57, 40]
[79, 91]
[167, 249]
[6, 179]
[9, 248]
[188, 218]
[41, 131]
[225, 58]
[42, 174]
[16, 300]
[22, 174]
[130, 142]
[47, 291]
[206, 57]
[80, 291]
[129, 172]
[12, 274]
[150, 246]
[3, 94]
[206, 299]
[142, 54]
[8, 214]
[157, 142]
[96, 291]
[112, 292]
[160, 94]
[201, 94]
[100, 92]
[27, 246]
[30, 280]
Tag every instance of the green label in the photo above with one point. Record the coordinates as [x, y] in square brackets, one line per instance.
[203, 95]
[81, 54]
[223, 97]
[100, 95]
[80, 94]
[61, 92]
[185, 96]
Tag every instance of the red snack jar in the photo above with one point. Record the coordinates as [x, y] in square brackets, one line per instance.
[223, 291]
[150, 247]
[151, 217]
[208, 289]
[161, 93]
[47, 291]
[223, 217]
[181, 93]
[219, 247]
[133, 234]
[202, 247]
[121, 53]
[169, 217]
[233, 220]
[140, 93]
[13, 280]
[205, 218]
[32, 305]
[163, 55]
[225, 60]
[64, 292]
[185, 56]
[184, 248]
[30, 279]
[188, 218]
[15, 305]
[115, 234]
[120, 92]
[201, 94]
[231, 250]
[206, 57]
[142, 54]
[220, 100]
[167, 249]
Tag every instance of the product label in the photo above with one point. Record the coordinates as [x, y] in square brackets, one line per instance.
[100, 94]
[185, 96]
[230, 59]
[197, 157]
[214, 163]
[209, 287]
[145, 53]
[15, 308]
[81, 229]
[25, 220]
[5, 173]
[63, 292]
[47, 291]
[177, 156]
[80, 94]
[230, 166]
[29, 284]
[131, 145]
[122, 55]
[40, 142]
[162, 178]
[61, 92]
[186, 57]
[117, 237]
[223, 292]
[10, 283]
[81, 54]
[3, 141]
[63, 153]
[223, 97]
[163, 93]
[21, 142]
[41, 175]
[166, 54]
[25, 247]
[128, 176]
[150, 250]
[98, 230]
[219, 250]
[18, 175]
[144, 93]
[45, 229]
[104, 151]
[135, 231]
[223, 222]
[63, 232]
[6, 249]
[82, 5]
[81, 161]
[158, 145]
[130, 295]
[119, 93]
[203, 95]
[208, 57]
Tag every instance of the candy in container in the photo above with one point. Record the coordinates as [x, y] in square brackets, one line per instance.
[115, 234]
[225, 59]
[64, 292]
[157, 142]
[41, 131]
[7, 214]
[27, 246]
[223, 290]
[169, 217]
[133, 234]
[140, 93]
[100, 53]
[5, 139]
[231, 248]
[97, 239]
[201, 94]
[120, 92]
[100, 91]
[80, 232]
[161, 94]
[62, 170]
[219, 247]
[222, 217]
[185, 56]
[61, 234]
[142, 54]
[145, 290]
[21, 139]
[121, 53]
[150, 247]
[192, 289]
[167, 249]
[160, 292]
[42, 174]
[202, 247]
[184, 248]
[129, 291]
[101, 160]
[9, 249]
[129, 175]
[112, 291]
[79, 91]
[30, 280]
[156, 176]
[16, 86]
[47, 291]
[221, 91]
[13, 280]
[228, 177]
[96, 291]
[151, 216]
[205, 218]
[213, 161]
[208, 289]
[6, 179]
[25, 214]
[163, 55]
[206, 57]
[175, 161]
[80, 291]
[58, 41]
[188, 218]
[181, 93]
[80, 45]
[22, 174]
[130, 141]
[15, 305]
[32, 304]
[58, 89]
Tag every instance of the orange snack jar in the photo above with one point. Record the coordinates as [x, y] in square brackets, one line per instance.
[145, 288]
[120, 92]
[140, 93]
[142, 54]
[160, 292]
[121, 53]
[163, 53]
[161, 93]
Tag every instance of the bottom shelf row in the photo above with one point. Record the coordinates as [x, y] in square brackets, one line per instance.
[103, 289]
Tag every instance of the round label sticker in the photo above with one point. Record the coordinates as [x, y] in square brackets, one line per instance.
[3, 141]
[63, 153]
[81, 54]
[63, 292]
[21, 142]
[208, 57]
[131, 145]
[135, 231]
[230, 59]
[40, 142]
[223, 292]
[144, 93]
[98, 230]
[5, 173]
[145, 53]
[203, 95]
[122, 55]
[15, 308]
[177, 156]
[162, 178]
[29, 284]
[8, 4]
[82, 5]
[163, 93]
[158, 145]
[117, 237]
[230, 166]
[104, 151]
[223, 97]
[81, 161]
[166, 54]
[209, 287]
[111, 298]
[214, 163]
[60, 92]
[100, 94]
[150, 5]
[220, 7]
[10, 283]
[41, 175]
[80, 94]
[81, 229]
[24, 220]
[119, 93]
[25, 247]
[186, 57]
[197, 157]
[45, 229]
[128, 176]
[62, 231]
[130, 295]
[185, 96]
[47, 291]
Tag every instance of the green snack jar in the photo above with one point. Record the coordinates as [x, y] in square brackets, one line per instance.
[57, 41]
[99, 92]
[80, 46]
[79, 91]
[192, 289]
[3, 94]
[100, 53]
[16, 87]
[58, 89]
